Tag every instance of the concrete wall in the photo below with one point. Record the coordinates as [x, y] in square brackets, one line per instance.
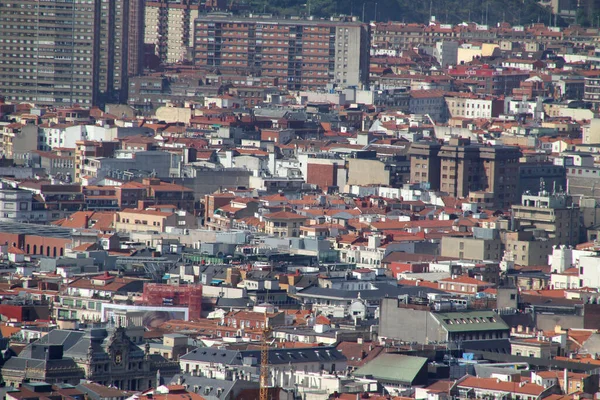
[209, 181]
[407, 324]
[470, 248]
[174, 114]
[367, 172]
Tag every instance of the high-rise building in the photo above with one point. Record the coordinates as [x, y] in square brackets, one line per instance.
[172, 32]
[121, 47]
[66, 52]
[301, 54]
[47, 51]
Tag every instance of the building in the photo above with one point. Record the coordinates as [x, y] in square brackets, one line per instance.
[403, 320]
[464, 285]
[107, 357]
[17, 205]
[156, 294]
[43, 390]
[172, 35]
[323, 169]
[149, 220]
[283, 224]
[75, 54]
[151, 192]
[459, 168]
[18, 141]
[469, 105]
[425, 164]
[553, 213]
[87, 149]
[58, 66]
[480, 388]
[121, 47]
[211, 362]
[299, 54]
[397, 370]
[591, 87]
[471, 248]
[428, 102]
[534, 347]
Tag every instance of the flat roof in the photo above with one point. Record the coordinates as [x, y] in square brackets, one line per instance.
[35, 229]
[219, 17]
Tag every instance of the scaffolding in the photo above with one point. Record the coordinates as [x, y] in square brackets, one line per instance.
[158, 294]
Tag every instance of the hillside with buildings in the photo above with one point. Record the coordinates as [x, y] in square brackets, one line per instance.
[199, 202]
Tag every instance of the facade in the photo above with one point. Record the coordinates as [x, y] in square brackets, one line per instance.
[472, 106]
[461, 168]
[534, 347]
[209, 362]
[420, 323]
[121, 43]
[283, 224]
[300, 54]
[108, 357]
[464, 285]
[173, 29]
[17, 205]
[471, 248]
[73, 52]
[86, 150]
[591, 88]
[553, 213]
[56, 63]
[136, 220]
[18, 140]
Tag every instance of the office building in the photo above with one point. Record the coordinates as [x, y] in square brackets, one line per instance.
[173, 28]
[300, 54]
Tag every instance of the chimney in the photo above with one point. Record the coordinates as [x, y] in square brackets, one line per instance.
[359, 340]
[566, 381]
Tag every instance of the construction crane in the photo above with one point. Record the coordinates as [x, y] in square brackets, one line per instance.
[264, 361]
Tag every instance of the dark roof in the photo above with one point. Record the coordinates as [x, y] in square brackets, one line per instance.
[203, 384]
[383, 290]
[276, 356]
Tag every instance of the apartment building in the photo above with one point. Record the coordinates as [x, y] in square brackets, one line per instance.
[425, 164]
[460, 168]
[17, 140]
[152, 192]
[66, 52]
[173, 29]
[299, 54]
[591, 87]
[121, 47]
[134, 220]
[469, 105]
[88, 149]
[284, 224]
[17, 205]
[553, 213]
[48, 52]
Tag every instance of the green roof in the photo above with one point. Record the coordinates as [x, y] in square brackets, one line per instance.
[468, 321]
[391, 367]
